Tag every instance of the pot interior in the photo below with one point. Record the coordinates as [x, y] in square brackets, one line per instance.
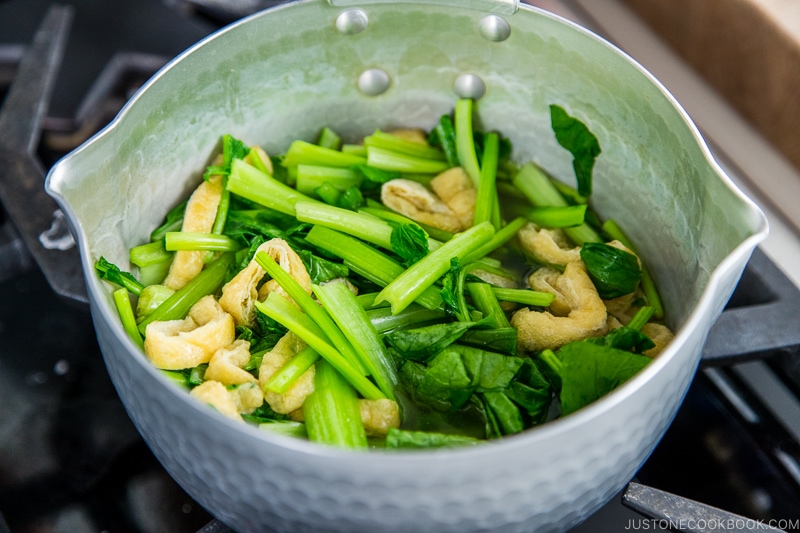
[285, 73]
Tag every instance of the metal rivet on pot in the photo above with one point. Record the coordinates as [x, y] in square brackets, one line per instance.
[373, 82]
[494, 28]
[352, 21]
[469, 86]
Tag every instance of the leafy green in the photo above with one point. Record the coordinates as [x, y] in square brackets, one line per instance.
[110, 272]
[423, 343]
[410, 242]
[232, 148]
[444, 136]
[172, 222]
[573, 135]
[502, 339]
[320, 269]
[613, 271]
[589, 371]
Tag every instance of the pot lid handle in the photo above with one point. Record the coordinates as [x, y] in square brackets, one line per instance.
[499, 7]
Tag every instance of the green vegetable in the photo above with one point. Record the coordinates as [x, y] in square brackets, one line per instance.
[424, 343]
[410, 242]
[464, 140]
[110, 272]
[331, 412]
[648, 284]
[487, 192]
[400, 145]
[184, 240]
[541, 192]
[172, 222]
[252, 184]
[351, 318]
[280, 310]
[123, 303]
[444, 136]
[206, 282]
[149, 254]
[329, 139]
[422, 274]
[304, 153]
[573, 135]
[289, 373]
[151, 298]
[590, 371]
[366, 261]
[558, 217]
[614, 272]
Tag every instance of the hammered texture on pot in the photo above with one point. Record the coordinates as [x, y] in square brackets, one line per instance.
[262, 80]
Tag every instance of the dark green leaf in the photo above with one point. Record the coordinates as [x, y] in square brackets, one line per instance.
[320, 269]
[488, 371]
[503, 340]
[445, 384]
[625, 338]
[614, 272]
[444, 136]
[506, 413]
[573, 135]
[422, 344]
[410, 242]
[110, 272]
[590, 371]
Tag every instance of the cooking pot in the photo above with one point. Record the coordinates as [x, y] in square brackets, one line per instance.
[283, 74]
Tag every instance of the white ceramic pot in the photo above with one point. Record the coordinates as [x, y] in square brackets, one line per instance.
[284, 73]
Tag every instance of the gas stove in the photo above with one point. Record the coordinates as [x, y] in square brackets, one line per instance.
[71, 460]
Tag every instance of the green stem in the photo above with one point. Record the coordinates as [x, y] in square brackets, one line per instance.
[485, 300]
[351, 318]
[397, 162]
[366, 261]
[305, 153]
[641, 317]
[524, 296]
[249, 182]
[311, 308]
[290, 372]
[393, 143]
[500, 237]
[332, 414]
[487, 193]
[541, 192]
[422, 274]
[185, 240]
[465, 143]
[310, 177]
[558, 217]
[412, 316]
[122, 300]
[208, 281]
[361, 225]
[282, 311]
[148, 254]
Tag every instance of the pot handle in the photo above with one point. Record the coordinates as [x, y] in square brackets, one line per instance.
[760, 318]
[499, 7]
[36, 217]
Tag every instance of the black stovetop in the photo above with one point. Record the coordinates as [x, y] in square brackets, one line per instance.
[71, 460]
